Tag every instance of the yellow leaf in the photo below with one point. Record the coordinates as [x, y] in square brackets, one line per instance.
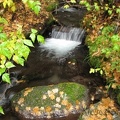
[13, 8]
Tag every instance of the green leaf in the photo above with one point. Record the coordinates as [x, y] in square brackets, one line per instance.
[34, 31]
[13, 8]
[66, 6]
[3, 20]
[6, 52]
[25, 52]
[37, 3]
[115, 38]
[2, 70]
[1, 28]
[97, 8]
[9, 65]
[24, 1]
[36, 9]
[81, 2]
[21, 61]
[101, 72]
[116, 47]
[18, 60]
[118, 10]
[31, 3]
[28, 43]
[40, 39]
[3, 36]
[1, 110]
[110, 12]
[6, 77]
[92, 70]
[72, 1]
[32, 36]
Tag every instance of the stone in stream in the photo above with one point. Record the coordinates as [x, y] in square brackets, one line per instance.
[50, 102]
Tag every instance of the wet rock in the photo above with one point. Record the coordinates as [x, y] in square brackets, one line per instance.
[3, 89]
[70, 16]
[50, 102]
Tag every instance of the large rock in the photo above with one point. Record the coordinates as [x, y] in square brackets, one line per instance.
[50, 102]
[70, 16]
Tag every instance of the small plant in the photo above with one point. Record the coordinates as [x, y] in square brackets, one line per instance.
[8, 3]
[101, 8]
[106, 49]
[34, 5]
[1, 110]
[33, 36]
[102, 23]
[92, 70]
[15, 48]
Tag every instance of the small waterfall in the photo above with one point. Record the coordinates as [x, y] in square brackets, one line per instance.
[63, 41]
[72, 34]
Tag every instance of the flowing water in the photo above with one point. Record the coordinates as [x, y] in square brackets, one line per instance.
[61, 45]
[63, 41]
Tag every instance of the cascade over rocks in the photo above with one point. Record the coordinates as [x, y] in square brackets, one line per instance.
[50, 102]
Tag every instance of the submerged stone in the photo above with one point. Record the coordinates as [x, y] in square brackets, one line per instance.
[49, 102]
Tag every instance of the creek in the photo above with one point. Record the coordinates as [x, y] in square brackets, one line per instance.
[61, 59]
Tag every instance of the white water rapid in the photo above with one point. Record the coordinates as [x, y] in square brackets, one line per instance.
[62, 42]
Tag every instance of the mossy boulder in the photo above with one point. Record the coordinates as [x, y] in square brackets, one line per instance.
[53, 101]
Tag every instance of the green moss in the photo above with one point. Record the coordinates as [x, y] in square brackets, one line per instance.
[72, 92]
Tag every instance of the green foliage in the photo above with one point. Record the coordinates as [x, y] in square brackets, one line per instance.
[9, 3]
[33, 36]
[3, 21]
[40, 39]
[66, 6]
[103, 40]
[1, 110]
[34, 5]
[73, 1]
[92, 70]
[86, 4]
[101, 7]
[15, 48]
[109, 48]
[6, 77]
